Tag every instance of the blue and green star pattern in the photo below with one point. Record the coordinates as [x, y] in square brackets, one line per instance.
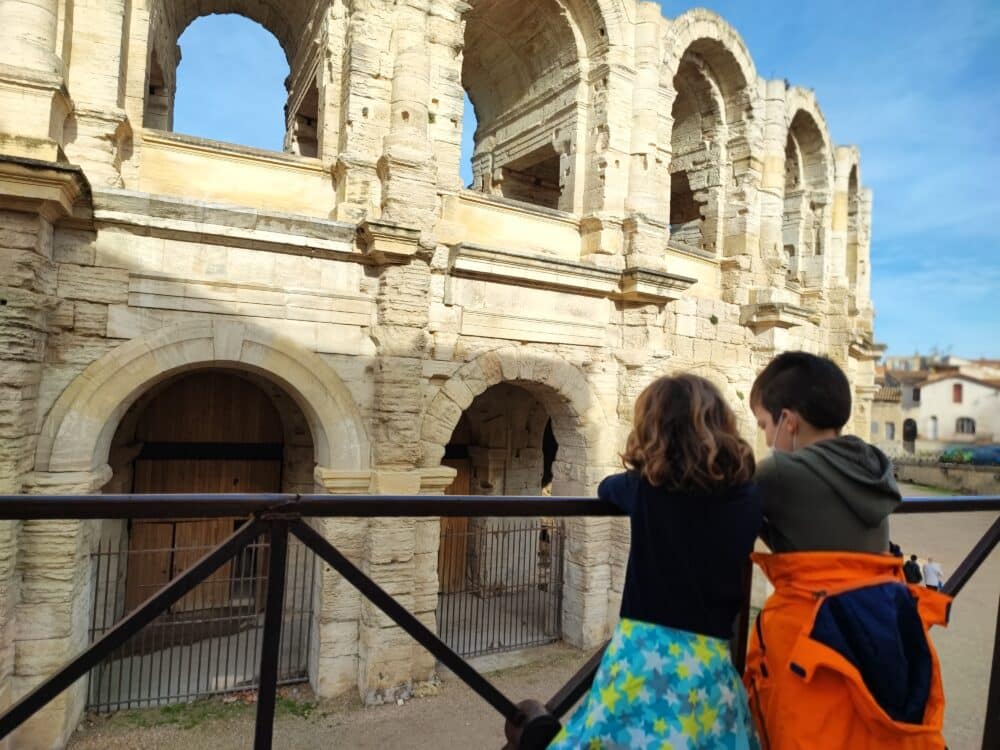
[658, 688]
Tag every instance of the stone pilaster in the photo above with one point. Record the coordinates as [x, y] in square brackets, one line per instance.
[407, 166]
[773, 270]
[33, 196]
[845, 156]
[96, 131]
[33, 99]
[364, 111]
[433, 481]
[334, 660]
[386, 651]
[53, 610]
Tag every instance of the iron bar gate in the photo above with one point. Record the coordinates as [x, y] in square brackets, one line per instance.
[530, 724]
[206, 644]
[500, 585]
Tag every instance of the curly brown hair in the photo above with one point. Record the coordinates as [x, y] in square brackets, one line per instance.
[684, 438]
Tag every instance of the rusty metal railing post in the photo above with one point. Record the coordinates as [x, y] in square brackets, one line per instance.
[270, 651]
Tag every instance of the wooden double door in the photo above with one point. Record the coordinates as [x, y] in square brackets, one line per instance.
[205, 433]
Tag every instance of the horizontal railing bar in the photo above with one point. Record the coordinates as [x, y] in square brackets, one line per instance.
[30, 507]
[953, 504]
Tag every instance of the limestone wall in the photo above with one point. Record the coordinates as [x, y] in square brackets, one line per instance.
[660, 182]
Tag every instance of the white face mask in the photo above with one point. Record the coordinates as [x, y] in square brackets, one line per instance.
[777, 431]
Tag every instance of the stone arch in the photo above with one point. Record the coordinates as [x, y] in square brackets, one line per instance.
[288, 22]
[586, 450]
[722, 48]
[802, 110]
[578, 417]
[705, 59]
[808, 187]
[78, 431]
[521, 60]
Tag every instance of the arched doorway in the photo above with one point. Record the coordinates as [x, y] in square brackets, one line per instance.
[500, 579]
[909, 435]
[204, 431]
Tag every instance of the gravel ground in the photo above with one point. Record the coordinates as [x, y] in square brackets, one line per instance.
[454, 717]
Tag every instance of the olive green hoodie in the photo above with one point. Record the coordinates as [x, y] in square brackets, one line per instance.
[832, 495]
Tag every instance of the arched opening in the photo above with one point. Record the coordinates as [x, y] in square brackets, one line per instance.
[204, 431]
[233, 82]
[711, 114]
[909, 435]
[521, 74]
[696, 157]
[806, 197]
[500, 579]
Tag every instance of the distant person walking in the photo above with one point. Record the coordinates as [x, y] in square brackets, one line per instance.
[911, 570]
[933, 576]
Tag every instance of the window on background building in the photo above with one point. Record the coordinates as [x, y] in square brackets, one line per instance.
[916, 395]
[890, 430]
[965, 426]
[874, 430]
[956, 393]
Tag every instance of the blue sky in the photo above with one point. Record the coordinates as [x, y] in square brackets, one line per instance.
[916, 85]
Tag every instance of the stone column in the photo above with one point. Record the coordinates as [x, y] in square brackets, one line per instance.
[836, 270]
[364, 112]
[53, 610]
[97, 131]
[772, 189]
[33, 103]
[647, 208]
[407, 166]
[334, 658]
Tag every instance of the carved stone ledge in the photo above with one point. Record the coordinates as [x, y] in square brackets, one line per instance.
[646, 285]
[475, 261]
[866, 350]
[764, 316]
[386, 243]
[39, 186]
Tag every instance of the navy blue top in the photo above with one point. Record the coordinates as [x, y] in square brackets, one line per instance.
[688, 554]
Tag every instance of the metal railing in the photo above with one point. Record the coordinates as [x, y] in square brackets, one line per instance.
[529, 724]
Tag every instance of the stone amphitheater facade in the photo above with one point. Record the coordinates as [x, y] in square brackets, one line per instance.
[643, 203]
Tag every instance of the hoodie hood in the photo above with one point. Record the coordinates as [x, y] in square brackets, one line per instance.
[858, 473]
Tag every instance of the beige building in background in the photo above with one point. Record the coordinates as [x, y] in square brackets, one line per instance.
[644, 202]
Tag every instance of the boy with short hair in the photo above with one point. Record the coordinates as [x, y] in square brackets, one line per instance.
[839, 656]
[821, 490]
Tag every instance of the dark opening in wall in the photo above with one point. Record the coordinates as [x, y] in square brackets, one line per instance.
[534, 178]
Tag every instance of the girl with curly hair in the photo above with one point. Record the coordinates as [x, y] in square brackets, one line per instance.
[666, 679]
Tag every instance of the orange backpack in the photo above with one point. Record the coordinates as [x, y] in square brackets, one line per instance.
[839, 657]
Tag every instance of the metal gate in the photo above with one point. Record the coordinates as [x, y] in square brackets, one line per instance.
[207, 643]
[501, 584]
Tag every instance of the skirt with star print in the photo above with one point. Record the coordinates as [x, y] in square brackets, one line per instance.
[658, 688]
